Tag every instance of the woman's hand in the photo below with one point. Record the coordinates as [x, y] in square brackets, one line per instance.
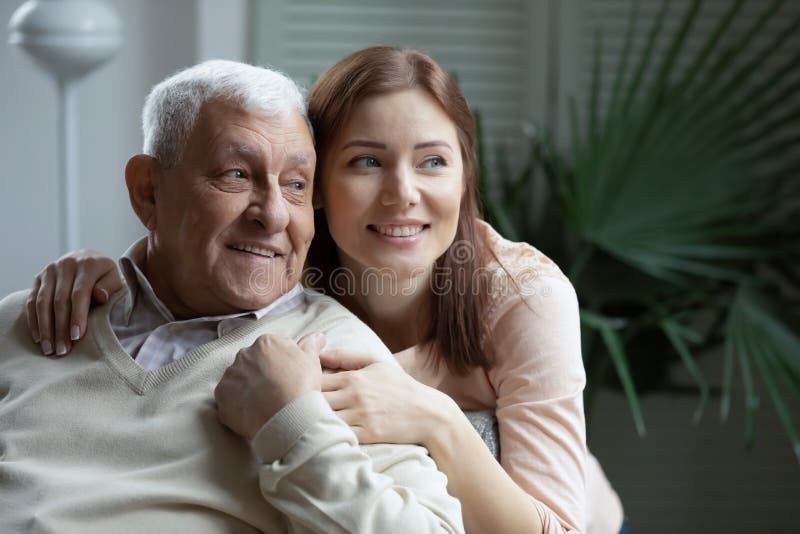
[381, 402]
[58, 305]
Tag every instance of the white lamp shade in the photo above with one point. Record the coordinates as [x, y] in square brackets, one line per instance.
[67, 37]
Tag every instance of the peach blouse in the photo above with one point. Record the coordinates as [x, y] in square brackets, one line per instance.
[535, 388]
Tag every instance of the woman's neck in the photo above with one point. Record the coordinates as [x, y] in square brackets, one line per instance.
[398, 309]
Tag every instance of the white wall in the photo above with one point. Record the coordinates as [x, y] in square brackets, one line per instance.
[159, 38]
[222, 31]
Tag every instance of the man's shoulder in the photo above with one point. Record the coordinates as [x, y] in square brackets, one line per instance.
[12, 310]
[315, 310]
[343, 330]
[324, 306]
[16, 299]
[15, 339]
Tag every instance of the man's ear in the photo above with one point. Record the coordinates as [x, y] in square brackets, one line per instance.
[142, 175]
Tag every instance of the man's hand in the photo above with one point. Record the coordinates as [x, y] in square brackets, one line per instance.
[264, 378]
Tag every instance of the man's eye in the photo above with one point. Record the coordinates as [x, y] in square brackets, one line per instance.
[234, 173]
[364, 162]
[297, 185]
[435, 162]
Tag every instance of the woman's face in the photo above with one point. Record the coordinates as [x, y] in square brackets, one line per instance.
[392, 184]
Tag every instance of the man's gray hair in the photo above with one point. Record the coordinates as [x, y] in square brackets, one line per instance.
[172, 107]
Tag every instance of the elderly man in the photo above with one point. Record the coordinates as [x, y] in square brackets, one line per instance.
[124, 436]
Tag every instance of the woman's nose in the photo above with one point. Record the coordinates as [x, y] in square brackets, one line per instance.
[400, 187]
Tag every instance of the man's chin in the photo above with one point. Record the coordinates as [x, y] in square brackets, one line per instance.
[243, 303]
[248, 283]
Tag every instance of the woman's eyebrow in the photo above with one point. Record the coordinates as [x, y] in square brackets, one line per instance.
[375, 144]
[429, 144]
[364, 143]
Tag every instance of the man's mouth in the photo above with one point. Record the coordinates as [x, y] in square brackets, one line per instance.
[255, 250]
[398, 231]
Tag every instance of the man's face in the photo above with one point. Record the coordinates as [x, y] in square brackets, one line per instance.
[234, 219]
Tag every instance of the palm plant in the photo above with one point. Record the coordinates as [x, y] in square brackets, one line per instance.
[676, 215]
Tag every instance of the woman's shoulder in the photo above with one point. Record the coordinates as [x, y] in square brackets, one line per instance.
[517, 271]
[533, 321]
[517, 258]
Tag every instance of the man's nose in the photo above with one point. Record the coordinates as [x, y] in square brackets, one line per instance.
[268, 208]
[400, 187]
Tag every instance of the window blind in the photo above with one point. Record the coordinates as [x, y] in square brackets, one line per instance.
[482, 43]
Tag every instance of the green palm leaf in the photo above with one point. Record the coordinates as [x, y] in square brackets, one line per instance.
[672, 170]
[758, 334]
[684, 179]
[607, 328]
[679, 195]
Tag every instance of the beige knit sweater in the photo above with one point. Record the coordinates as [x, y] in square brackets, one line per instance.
[95, 443]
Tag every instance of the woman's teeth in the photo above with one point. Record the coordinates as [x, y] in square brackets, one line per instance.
[255, 250]
[398, 231]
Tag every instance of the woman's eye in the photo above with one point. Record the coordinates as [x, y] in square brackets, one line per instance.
[434, 163]
[364, 162]
[234, 173]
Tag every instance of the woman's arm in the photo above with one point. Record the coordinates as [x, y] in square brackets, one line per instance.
[58, 304]
[382, 404]
[538, 378]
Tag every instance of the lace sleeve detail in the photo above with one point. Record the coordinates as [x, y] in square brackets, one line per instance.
[513, 270]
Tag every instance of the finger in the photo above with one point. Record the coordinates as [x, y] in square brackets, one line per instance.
[350, 417]
[80, 299]
[334, 381]
[338, 399]
[107, 285]
[44, 308]
[363, 435]
[222, 407]
[312, 343]
[218, 390]
[91, 279]
[30, 311]
[343, 359]
[62, 306]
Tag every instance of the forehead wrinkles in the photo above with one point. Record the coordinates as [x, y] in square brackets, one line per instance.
[219, 118]
[289, 148]
[293, 151]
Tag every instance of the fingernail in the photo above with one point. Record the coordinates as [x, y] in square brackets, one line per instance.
[105, 293]
[47, 347]
[75, 333]
[61, 348]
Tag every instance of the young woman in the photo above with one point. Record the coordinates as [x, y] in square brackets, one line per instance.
[477, 322]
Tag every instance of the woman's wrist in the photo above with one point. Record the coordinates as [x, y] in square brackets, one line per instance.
[444, 426]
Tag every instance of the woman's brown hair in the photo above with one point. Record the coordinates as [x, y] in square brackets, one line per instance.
[458, 323]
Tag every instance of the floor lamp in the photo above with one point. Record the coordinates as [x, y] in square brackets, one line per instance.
[68, 38]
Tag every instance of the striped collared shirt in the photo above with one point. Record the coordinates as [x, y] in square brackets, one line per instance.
[148, 331]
